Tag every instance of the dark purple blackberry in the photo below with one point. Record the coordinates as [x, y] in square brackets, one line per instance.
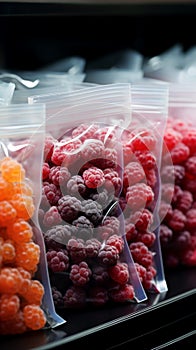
[100, 274]
[108, 255]
[97, 296]
[84, 228]
[57, 297]
[59, 175]
[58, 235]
[76, 249]
[76, 187]
[52, 192]
[92, 247]
[69, 208]
[92, 210]
[58, 260]
[80, 274]
[75, 297]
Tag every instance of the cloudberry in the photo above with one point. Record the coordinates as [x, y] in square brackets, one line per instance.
[27, 255]
[34, 317]
[10, 280]
[9, 306]
[6, 189]
[11, 170]
[7, 213]
[20, 231]
[23, 205]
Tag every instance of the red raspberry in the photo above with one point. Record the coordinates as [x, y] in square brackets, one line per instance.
[93, 177]
[119, 273]
[108, 255]
[165, 211]
[142, 219]
[141, 254]
[48, 147]
[122, 293]
[57, 297]
[133, 173]
[100, 274]
[110, 226]
[45, 171]
[189, 139]
[165, 234]
[69, 208]
[179, 153]
[141, 270]
[58, 261]
[52, 193]
[143, 140]
[106, 135]
[185, 201]
[173, 174]
[98, 296]
[191, 219]
[190, 166]
[92, 149]
[148, 238]
[85, 131]
[131, 231]
[146, 159]
[116, 241]
[151, 177]
[66, 152]
[189, 259]
[171, 138]
[80, 274]
[92, 247]
[52, 217]
[113, 182]
[177, 221]
[139, 195]
[75, 297]
[189, 185]
[150, 274]
[76, 249]
[76, 186]
[127, 151]
[59, 175]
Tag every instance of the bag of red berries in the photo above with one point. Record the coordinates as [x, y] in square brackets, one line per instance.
[140, 195]
[178, 227]
[25, 299]
[88, 258]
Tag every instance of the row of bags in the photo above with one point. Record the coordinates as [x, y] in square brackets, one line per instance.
[97, 193]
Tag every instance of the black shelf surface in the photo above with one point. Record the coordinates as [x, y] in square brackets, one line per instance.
[163, 319]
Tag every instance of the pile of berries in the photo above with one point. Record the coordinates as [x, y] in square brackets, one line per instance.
[20, 294]
[82, 183]
[178, 202]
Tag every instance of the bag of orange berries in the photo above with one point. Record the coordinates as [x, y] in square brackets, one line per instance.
[25, 300]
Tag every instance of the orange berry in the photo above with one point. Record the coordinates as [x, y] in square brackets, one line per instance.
[6, 189]
[27, 255]
[20, 231]
[11, 170]
[34, 317]
[9, 306]
[8, 252]
[23, 205]
[34, 292]
[7, 213]
[10, 280]
[15, 325]
[23, 188]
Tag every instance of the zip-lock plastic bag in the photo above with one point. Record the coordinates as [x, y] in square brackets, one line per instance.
[25, 296]
[6, 93]
[140, 198]
[177, 232]
[71, 65]
[88, 257]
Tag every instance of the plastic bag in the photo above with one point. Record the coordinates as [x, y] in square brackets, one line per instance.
[177, 233]
[71, 65]
[25, 296]
[80, 215]
[140, 198]
[6, 93]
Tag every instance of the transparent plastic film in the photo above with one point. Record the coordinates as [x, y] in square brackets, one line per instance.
[6, 93]
[25, 298]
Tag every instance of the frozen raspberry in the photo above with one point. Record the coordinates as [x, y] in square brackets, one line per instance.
[179, 153]
[59, 175]
[151, 177]
[80, 274]
[110, 158]
[116, 241]
[189, 185]
[139, 196]
[84, 131]
[110, 226]
[180, 125]
[190, 166]
[48, 147]
[122, 293]
[189, 139]
[51, 217]
[69, 208]
[166, 234]
[57, 297]
[141, 271]
[106, 135]
[191, 219]
[148, 238]
[182, 241]
[143, 140]
[131, 232]
[167, 192]
[93, 177]
[100, 274]
[52, 192]
[45, 171]
[98, 296]
[92, 210]
[177, 221]
[119, 273]
[149, 280]
[58, 235]
[76, 249]
[34, 317]
[9, 306]
[141, 254]
[92, 149]
[133, 173]
[84, 228]
[185, 201]
[189, 259]
[165, 211]
[102, 197]
[75, 297]
[66, 152]
[142, 219]
[113, 182]
[171, 138]
[108, 255]
[58, 261]
[127, 151]
[146, 159]
[76, 186]
[173, 174]
[92, 247]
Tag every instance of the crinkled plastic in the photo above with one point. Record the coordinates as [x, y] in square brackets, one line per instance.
[177, 231]
[71, 65]
[88, 258]
[142, 144]
[24, 281]
[6, 93]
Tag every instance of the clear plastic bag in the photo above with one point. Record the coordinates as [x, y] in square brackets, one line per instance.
[177, 232]
[142, 145]
[6, 93]
[79, 213]
[25, 294]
